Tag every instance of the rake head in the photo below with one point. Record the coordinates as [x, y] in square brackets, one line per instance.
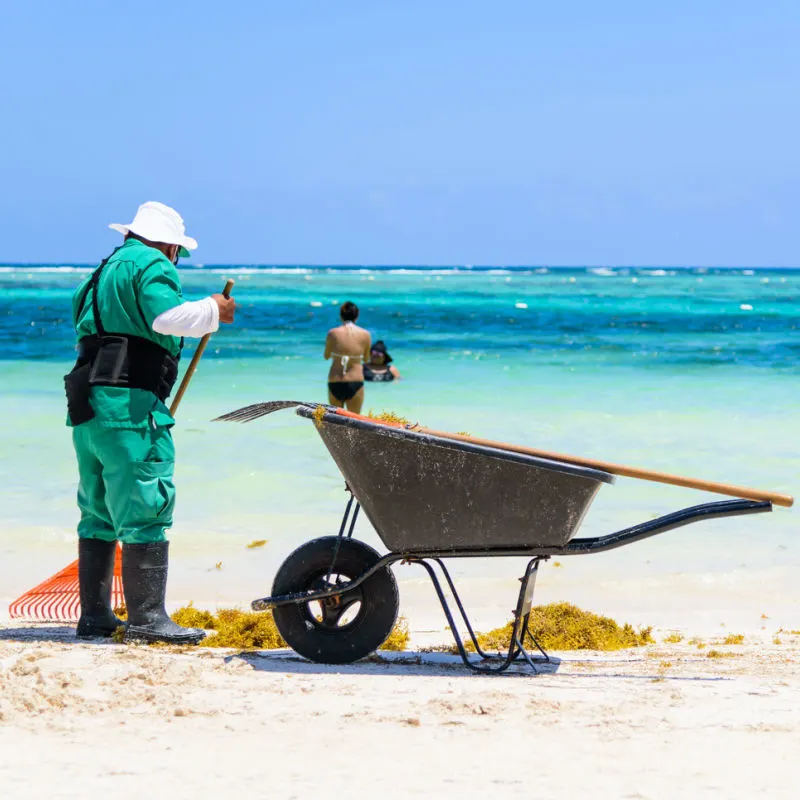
[249, 413]
[58, 598]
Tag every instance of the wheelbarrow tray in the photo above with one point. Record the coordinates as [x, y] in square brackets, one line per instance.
[423, 492]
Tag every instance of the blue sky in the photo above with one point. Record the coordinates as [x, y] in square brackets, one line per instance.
[405, 132]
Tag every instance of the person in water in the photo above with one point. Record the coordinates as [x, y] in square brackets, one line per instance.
[348, 346]
[379, 367]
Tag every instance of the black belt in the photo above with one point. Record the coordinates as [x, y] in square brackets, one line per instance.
[130, 362]
[116, 359]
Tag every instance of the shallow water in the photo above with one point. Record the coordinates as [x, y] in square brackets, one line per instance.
[692, 372]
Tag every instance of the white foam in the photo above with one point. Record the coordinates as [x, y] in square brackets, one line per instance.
[426, 271]
[520, 305]
[258, 270]
[44, 270]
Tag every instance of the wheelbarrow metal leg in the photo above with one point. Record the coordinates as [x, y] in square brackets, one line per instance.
[522, 615]
[460, 605]
[454, 630]
[339, 537]
[345, 517]
[520, 629]
[446, 608]
[353, 521]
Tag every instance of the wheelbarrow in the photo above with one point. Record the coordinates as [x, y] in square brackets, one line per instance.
[432, 496]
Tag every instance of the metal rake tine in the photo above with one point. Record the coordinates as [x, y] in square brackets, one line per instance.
[262, 409]
[239, 414]
[256, 413]
[247, 413]
[251, 412]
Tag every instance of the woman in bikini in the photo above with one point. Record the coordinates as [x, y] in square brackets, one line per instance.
[348, 346]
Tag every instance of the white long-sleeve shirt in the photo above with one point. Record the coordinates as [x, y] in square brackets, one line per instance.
[193, 319]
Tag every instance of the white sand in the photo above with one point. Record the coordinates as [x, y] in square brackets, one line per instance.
[85, 720]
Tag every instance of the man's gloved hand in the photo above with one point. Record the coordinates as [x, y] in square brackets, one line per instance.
[226, 305]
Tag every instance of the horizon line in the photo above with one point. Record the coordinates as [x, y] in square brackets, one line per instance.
[187, 264]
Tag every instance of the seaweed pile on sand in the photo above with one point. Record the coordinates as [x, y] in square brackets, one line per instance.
[257, 630]
[563, 626]
[230, 627]
[398, 638]
[250, 630]
[557, 626]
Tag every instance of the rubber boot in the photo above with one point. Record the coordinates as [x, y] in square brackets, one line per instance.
[95, 577]
[144, 579]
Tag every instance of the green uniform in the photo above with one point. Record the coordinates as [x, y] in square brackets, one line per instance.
[125, 453]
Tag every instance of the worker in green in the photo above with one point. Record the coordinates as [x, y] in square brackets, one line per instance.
[130, 318]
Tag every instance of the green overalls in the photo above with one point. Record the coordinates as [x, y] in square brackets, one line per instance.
[125, 454]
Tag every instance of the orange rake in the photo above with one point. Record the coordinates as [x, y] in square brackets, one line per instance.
[58, 600]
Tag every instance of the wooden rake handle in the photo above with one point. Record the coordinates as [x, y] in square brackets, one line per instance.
[628, 472]
[195, 359]
[615, 469]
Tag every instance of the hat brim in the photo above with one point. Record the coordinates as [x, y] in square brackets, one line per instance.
[185, 245]
[387, 359]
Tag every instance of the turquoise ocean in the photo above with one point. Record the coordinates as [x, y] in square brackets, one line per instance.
[690, 371]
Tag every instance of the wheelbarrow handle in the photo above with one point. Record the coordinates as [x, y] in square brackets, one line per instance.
[195, 359]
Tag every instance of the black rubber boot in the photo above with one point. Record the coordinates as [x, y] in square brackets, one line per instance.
[144, 579]
[95, 576]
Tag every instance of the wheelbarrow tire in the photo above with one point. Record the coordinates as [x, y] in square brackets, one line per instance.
[306, 568]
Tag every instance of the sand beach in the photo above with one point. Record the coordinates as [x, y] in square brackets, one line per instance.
[84, 719]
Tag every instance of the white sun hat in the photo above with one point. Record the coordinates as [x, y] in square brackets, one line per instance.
[159, 223]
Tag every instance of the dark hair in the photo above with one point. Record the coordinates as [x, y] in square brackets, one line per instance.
[380, 347]
[349, 311]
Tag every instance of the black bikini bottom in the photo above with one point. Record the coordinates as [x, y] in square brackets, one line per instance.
[345, 390]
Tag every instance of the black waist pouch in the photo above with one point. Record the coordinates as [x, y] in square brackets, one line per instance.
[110, 363]
[128, 362]
[76, 384]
